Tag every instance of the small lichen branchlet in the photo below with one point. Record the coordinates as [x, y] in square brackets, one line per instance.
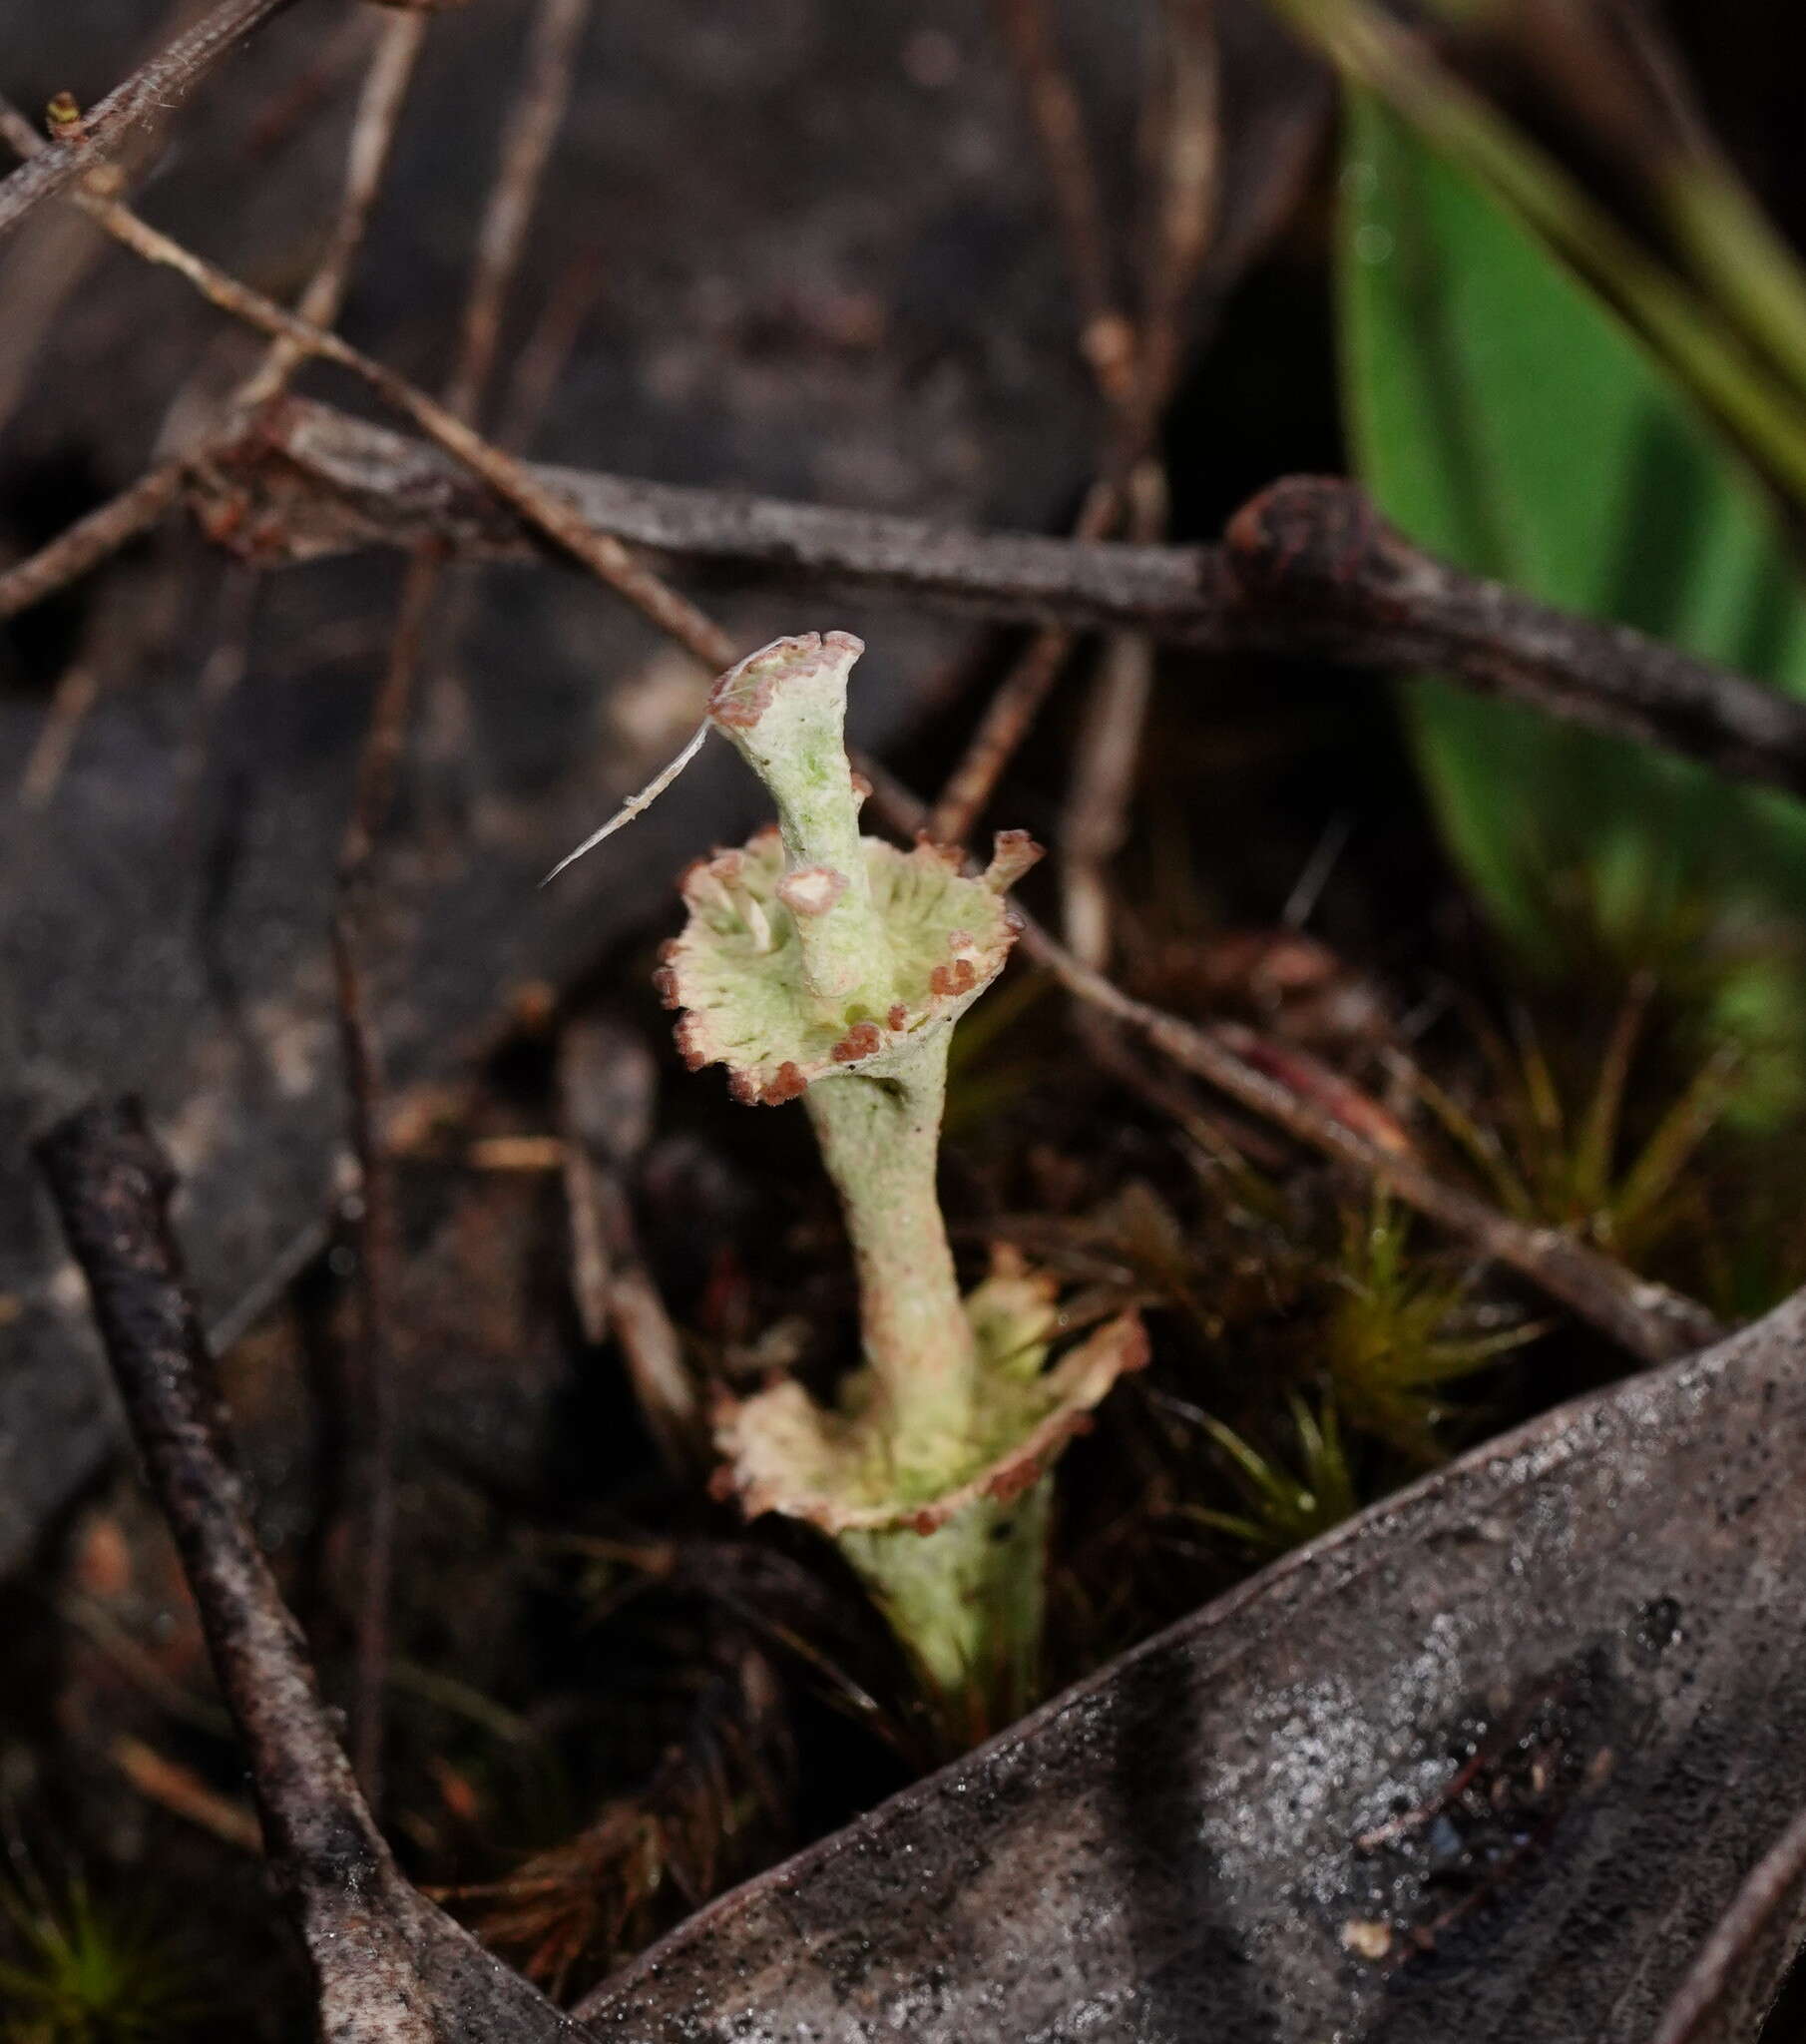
[820, 963]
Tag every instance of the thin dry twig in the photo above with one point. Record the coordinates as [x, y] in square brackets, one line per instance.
[535, 114]
[1094, 820]
[533, 377]
[112, 1185]
[1106, 338]
[606, 1085]
[534, 119]
[1182, 204]
[42, 270]
[153, 90]
[76, 689]
[1212, 1134]
[317, 481]
[1186, 173]
[369, 1492]
[85, 544]
[373, 126]
[182, 1792]
[1016, 701]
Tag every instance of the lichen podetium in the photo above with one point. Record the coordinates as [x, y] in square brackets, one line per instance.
[822, 964]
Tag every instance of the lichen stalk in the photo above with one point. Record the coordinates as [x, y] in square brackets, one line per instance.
[880, 1138]
[968, 1601]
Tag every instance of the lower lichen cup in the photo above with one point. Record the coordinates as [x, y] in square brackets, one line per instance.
[820, 963]
[954, 1555]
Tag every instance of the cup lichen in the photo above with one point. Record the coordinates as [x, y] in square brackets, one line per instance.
[820, 963]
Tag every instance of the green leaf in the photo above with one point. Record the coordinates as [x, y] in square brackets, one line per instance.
[1504, 416]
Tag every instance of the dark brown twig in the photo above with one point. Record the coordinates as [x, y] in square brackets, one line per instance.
[528, 130]
[1308, 571]
[155, 90]
[112, 1186]
[1694, 2013]
[390, 1968]
[1182, 180]
[533, 375]
[325, 483]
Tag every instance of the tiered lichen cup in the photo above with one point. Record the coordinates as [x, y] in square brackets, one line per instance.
[820, 963]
